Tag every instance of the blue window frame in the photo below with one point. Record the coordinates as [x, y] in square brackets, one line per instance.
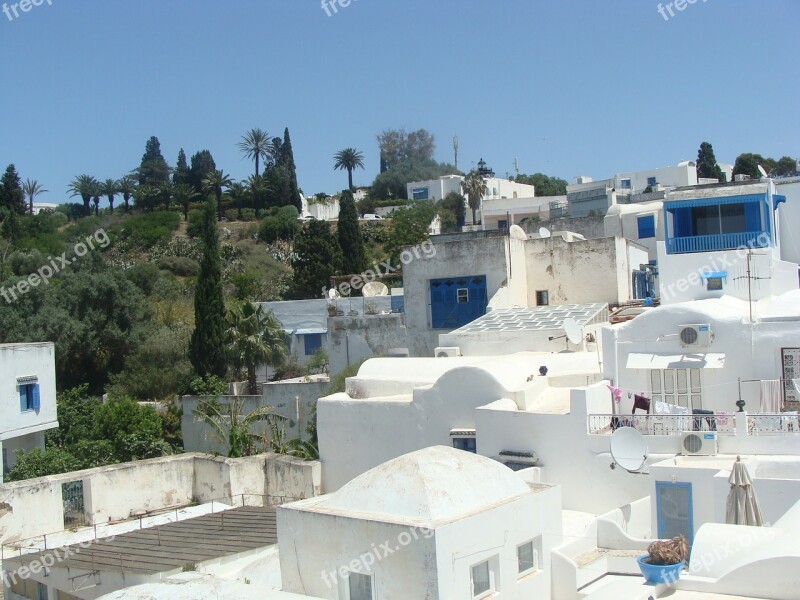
[466, 443]
[647, 227]
[651, 181]
[29, 397]
[456, 301]
[625, 184]
[674, 509]
[502, 224]
[420, 193]
[312, 342]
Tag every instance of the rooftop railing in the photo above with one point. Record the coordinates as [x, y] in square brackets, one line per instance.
[773, 424]
[712, 243]
[646, 424]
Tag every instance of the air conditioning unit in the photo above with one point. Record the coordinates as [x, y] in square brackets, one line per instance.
[699, 443]
[447, 351]
[695, 335]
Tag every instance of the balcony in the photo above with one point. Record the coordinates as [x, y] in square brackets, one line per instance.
[724, 241]
[723, 424]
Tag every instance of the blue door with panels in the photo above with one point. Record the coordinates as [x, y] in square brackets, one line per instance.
[674, 507]
[456, 301]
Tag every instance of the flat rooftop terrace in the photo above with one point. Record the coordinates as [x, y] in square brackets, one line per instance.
[165, 547]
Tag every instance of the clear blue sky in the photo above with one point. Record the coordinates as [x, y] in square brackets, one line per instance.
[568, 87]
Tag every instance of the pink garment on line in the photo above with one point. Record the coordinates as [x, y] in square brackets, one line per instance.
[615, 392]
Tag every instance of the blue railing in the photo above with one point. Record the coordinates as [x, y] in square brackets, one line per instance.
[725, 241]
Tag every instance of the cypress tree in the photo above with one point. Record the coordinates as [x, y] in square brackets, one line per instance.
[707, 163]
[181, 174]
[202, 164]
[287, 161]
[318, 258]
[206, 349]
[11, 194]
[154, 170]
[353, 259]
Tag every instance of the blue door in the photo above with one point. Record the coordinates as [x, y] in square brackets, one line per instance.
[456, 301]
[674, 506]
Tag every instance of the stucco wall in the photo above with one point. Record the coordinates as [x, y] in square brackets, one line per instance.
[460, 258]
[35, 507]
[588, 227]
[354, 338]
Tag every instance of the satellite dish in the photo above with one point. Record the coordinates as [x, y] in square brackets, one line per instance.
[544, 232]
[762, 171]
[628, 449]
[333, 294]
[375, 288]
[574, 331]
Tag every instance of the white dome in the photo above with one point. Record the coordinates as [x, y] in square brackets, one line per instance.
[437, 483]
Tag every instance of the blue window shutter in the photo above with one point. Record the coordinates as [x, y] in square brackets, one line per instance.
[23, 398]
[682, 222]
[647, 227]
[752, 216]
[36, 401]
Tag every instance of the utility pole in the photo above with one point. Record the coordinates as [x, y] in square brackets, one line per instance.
[455, 150]
[516, 167]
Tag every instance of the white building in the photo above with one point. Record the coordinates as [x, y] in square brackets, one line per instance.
[326, 209]
[502, 213]
[456, 525]
[28, 397]
[496, 189]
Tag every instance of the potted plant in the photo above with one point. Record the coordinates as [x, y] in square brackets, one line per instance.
[664, 560]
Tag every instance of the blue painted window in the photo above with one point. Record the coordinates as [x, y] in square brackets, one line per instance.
[647, 227]
[457, 301]
[312, 343]
[29, 397]
[651, 181]
[420, 193]
[502, 224]
[674, 509]
[625, 184]
[467, 444]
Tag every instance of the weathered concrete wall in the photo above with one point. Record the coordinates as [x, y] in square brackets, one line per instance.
[35, 507]
[293, 400]
[352, 338]
[588, 227]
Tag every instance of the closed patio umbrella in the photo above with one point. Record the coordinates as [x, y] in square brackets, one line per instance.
[743, 508]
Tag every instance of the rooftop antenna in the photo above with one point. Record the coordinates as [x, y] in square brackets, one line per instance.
[333, 294]
[544, 232]
[455, 150]
[628, 450]
[516, 167]
[574, 330]
[375, 288]
[763, 172]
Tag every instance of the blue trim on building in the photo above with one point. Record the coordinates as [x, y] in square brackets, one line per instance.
[456, 301]
[667, 530]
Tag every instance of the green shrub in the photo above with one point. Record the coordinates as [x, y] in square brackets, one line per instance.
[150, 228]
[144, 276]
[194, 223]
[279, 224]
[179, 265]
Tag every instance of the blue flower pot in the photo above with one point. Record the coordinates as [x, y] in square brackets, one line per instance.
[660, 573]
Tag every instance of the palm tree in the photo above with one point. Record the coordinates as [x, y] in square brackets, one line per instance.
[255, 145]
[183, 194]
[238, 191]
[83, 186]
[213, 183]
[231, 430]
[127, 187]
[348, 159]
[165, 193]
[110, 188]
[146, 196]
[257, 187]
[31, 189]
[473, 187]
[97, 192]
[254, 337]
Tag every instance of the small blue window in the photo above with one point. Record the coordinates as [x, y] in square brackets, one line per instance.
[420, 193]
[502, 224]
[312, 342]
[651, 181]
[467, 444]
[29, 397]
[647, 227]
[625, 184]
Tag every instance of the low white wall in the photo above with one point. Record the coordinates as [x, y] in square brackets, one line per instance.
[626, 528]
[34, 507]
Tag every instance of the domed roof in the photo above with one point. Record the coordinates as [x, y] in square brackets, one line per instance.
[432, 484]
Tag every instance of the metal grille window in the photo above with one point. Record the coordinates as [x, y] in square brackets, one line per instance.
[72, 501]
[360, 586]
[681, 387]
